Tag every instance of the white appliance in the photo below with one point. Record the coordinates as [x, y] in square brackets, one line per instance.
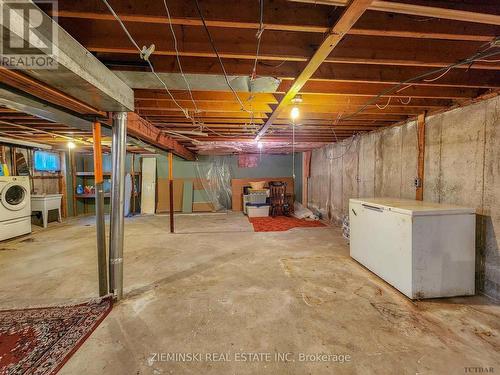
[15, 206]
[423, 249]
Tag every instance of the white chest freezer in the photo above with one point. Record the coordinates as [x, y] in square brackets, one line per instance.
[423, 249]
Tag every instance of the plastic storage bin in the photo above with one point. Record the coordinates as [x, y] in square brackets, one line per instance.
[257, 210]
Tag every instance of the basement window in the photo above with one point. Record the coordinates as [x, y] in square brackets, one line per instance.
[46, 161]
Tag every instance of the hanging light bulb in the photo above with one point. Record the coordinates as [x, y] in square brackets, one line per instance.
[260, 145]
[71, 145]
[294, 114]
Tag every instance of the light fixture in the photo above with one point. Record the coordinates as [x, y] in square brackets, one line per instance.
[297, 99]
[294, 114]
[260, 145]
[71, 145]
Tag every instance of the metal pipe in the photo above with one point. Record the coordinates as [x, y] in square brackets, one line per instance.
[117, 204]
[99, 212]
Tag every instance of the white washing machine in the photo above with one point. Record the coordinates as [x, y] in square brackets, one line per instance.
[15, 206]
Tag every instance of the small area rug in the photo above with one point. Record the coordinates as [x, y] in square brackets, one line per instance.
[41, 340]
[281, 223]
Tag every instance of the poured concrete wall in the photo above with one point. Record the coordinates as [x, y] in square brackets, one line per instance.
[462, 166]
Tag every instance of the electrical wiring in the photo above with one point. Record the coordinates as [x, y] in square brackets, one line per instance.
[407, 83]
[404, 88]
[490, 61]
[259, 37]
[145, 56]
[275, 66]
[181, 135]
[335, 122]
[354, 137]
[122, 25]
[440, 76]
[212, 43]
[386, 105]
[141, 52]
[407, 102]
[184, 110]
[293, 149]
[178, 58]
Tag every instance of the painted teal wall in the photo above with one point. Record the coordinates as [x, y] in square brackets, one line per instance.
[269, 166]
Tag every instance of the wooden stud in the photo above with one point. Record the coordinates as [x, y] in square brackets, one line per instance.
[421, 156]
[62, 185]
[171, 189]
[132, 169]
[73, 178]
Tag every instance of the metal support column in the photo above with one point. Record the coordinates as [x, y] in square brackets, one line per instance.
[99, 212]
[118, 151]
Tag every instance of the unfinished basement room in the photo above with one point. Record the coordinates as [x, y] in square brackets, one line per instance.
[249, 187]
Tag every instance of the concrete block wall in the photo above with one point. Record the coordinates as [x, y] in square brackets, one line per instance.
[462, 166]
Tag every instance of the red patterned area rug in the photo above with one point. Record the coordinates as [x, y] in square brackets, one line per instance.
[281, 223]
[40, 340]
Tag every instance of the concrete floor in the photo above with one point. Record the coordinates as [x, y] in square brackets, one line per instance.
[217, 287]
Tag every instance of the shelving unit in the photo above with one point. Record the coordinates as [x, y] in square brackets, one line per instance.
[87, 178]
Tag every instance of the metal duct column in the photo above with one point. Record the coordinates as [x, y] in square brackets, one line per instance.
[118, 153]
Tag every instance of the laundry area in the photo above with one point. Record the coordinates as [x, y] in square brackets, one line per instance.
[249, 187]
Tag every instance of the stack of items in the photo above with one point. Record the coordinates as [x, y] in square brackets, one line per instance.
[255, 200]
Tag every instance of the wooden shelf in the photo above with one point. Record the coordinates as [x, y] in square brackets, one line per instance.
[106, 195]
[91, 174]
[88, 196]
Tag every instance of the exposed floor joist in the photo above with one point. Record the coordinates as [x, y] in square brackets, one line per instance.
[353, 12]
[77, 72]
[381, 49]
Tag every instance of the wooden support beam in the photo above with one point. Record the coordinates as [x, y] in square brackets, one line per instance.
[144, 130]
[287, 19]
[22, 82]
[419, 10]
[421, 156]
[78, 73]
[353, 12]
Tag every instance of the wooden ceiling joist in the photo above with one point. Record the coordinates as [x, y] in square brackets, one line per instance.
[352, 13]
[289, 20]
[378, 44]
[22, 82]
[144, 130]
[419, 10]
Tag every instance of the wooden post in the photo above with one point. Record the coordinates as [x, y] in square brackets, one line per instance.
[171, 189]
[421, 157]
[306, 170]
[13, 157]
[99, 212]
[132, 170]
[73, 179]
[62, 185]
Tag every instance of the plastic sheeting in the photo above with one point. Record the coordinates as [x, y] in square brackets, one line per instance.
[214, 173]
[333, 178]
[381, 163]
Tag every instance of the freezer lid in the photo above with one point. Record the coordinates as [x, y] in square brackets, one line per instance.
[414, 207]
